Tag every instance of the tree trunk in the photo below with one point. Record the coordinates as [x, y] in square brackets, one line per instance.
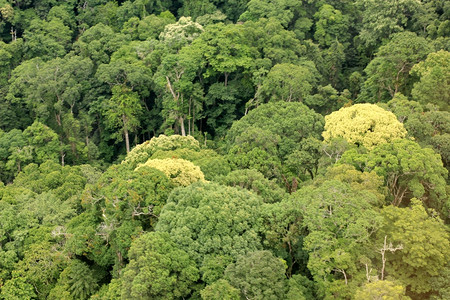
[125, 133]
[183, 131]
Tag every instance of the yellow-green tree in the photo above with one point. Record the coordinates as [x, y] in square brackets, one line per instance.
[382, 289]
[365, 125]
[181, 172]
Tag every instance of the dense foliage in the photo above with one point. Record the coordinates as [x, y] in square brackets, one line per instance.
[224, 149]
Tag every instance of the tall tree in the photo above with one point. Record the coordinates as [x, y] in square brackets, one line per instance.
[122, 112]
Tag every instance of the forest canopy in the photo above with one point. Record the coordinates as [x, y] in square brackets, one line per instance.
[224, 149]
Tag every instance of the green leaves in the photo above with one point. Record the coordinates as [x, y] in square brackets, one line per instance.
[425, 243]
[158, 269]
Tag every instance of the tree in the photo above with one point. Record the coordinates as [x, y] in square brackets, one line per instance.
[331, 25]
[254, 181]
[210, 162]
[340, 222]
[51, 89]
[366, 125]
[220, 290]
[382, 289]
[408, 171]
[425, 244]
[99, 42]
[46, 40]
[288, 82]
[181, 172]
[380, 20]
[77, 280]
[434, 84]
[283, 11]
[387, 73]
[210, 221]
[258, 275]
[267, 136]
[163, 143]
[428, 126]
[121, 204]
[158, 269]
[123, 110]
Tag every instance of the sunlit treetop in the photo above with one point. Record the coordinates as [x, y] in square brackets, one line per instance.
[365, 125]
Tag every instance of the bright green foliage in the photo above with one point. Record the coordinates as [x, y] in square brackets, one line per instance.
[387, 73]
[64, 182]
[158, 269]
[434, 84]
[180, 172]
[366, 125]
[340, 222]
[382, 289]
[426, 247]
[408, 171]
[254, 181]
[122, 112]
[258, 275]
[209, 220]
[143, 152]
[220, 290]
[267, 136]
[288, 82]
[18, 289]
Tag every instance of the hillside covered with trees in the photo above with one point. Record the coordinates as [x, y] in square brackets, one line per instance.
[224, 149]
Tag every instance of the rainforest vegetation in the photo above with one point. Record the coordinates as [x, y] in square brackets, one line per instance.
[224, 149]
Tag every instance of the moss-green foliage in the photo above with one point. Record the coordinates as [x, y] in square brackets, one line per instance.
[254, 181]
[365, 125]
[258, 275]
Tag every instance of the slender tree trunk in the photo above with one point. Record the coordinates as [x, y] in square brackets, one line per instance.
[183, 130]
[125, 133]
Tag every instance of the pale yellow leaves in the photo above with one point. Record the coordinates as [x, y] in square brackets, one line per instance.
[181, 172]
[365, 125]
